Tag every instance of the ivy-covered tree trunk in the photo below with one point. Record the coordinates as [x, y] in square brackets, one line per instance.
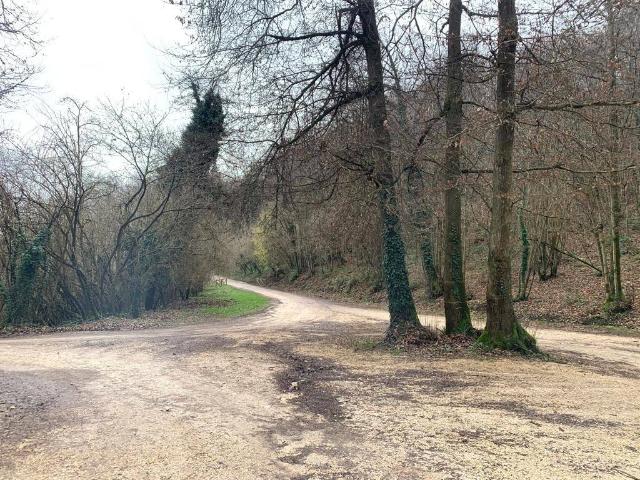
[27, 267]
[404, 325]
[502, 329]
[458, 318]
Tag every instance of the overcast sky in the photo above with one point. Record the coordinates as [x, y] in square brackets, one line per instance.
[96, 48]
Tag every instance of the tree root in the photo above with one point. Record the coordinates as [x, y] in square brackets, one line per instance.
[410, 335]
[519, 341]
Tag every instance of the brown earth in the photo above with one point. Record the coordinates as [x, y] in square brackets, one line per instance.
[299, 392]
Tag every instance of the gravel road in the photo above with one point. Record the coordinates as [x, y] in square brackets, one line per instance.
[287, 394]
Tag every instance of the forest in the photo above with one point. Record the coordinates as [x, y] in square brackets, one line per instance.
[473, 163]
[413, 149]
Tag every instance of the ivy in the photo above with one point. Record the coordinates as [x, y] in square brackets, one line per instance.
[27, 265]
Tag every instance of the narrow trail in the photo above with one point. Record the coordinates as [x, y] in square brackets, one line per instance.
[283, 394]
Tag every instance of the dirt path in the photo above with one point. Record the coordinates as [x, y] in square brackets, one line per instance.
[284, 394]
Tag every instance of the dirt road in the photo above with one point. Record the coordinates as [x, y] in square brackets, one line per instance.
[284, 394]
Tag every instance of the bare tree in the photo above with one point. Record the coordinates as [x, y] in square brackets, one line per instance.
[18, 47]
[503, 329]
[317, 59]
[615, 295]
[96, 235]
[458, 318]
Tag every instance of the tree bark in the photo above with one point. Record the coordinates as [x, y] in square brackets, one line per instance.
[432, 282]
[404, 326]
[502, 329]
[525, 251]
[615, 295]
[458, 318]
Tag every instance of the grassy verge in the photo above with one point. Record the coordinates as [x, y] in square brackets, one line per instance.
[227, 301]
[220, 301]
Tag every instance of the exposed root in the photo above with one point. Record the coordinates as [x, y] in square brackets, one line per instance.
[519, 341]
[402, 335]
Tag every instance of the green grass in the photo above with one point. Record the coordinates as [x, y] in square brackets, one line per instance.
[233, 301]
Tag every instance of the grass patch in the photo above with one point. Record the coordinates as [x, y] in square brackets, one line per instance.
[227, 301]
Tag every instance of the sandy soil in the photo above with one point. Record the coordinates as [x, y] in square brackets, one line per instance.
[284, 394]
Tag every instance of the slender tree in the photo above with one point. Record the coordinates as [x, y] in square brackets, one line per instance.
[404, 323]
[419, 209]
[192, 171]
[503, 329]
[458, 318]
[615, 295]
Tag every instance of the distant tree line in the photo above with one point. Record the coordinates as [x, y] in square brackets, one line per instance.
[106, 213]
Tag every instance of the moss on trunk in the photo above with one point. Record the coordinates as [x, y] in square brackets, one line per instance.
[518, 340]
[502, 329]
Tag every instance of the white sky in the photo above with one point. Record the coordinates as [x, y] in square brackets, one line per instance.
[96, 48]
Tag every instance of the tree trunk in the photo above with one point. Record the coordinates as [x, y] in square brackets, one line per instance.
[422, 221]
[615, 298]
[502, 329]
[525, 250]
[458, 318]
[404, 326]
[432, 282]
[616, 220]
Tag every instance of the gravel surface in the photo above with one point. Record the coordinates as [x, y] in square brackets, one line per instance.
[291, 394]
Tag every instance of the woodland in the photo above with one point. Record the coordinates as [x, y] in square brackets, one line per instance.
[473, 157]
[343, 239]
